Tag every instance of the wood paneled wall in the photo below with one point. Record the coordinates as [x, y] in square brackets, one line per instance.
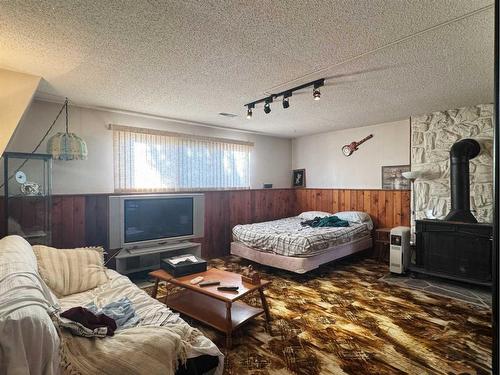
[82, 220]
[387, 208]
[223, 210]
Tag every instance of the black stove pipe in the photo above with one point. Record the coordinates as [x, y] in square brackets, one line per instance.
[460, 155]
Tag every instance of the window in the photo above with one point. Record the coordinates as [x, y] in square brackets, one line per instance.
[150, 160]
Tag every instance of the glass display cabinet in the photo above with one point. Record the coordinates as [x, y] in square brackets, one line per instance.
[27, 196]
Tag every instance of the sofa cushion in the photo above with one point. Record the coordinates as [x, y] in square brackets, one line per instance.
[70, 271]
[18, 251]
[24, 305]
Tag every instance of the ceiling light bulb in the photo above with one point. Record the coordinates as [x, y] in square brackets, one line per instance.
[267, 108]
[316, 94]
[249, 113]
[286, 103]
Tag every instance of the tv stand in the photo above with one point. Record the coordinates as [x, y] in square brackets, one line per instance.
[148, 257]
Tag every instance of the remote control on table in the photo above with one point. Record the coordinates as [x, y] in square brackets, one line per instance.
[209, 283]
[231, 288]
[196, 280]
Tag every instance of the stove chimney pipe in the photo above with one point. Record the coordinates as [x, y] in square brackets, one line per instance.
[460, 155]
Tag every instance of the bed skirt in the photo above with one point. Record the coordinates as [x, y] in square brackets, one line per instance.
[302, 264]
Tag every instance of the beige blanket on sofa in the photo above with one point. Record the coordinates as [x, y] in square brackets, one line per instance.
[160, 342]
[132, 351]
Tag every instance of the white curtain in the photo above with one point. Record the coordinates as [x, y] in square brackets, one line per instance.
[150, 160]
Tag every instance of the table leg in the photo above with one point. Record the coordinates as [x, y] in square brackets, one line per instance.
[264, 305]
[167, 289]
[229, 328]
[155, 289]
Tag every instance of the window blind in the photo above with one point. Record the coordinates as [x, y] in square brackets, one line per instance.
[156, 161]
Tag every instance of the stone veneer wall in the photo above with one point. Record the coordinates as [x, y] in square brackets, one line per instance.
[432, 136]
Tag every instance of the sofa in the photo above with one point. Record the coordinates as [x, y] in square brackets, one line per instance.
[32, 341]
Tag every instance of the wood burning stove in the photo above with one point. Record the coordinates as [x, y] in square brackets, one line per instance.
[458, 247]
[454, 250]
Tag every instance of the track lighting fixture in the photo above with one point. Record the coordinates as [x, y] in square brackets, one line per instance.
[267, 106]
[286, 95]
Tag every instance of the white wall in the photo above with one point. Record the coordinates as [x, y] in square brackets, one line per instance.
[327, 167]
[270, 161]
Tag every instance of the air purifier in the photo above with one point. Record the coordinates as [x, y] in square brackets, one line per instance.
[399, 258]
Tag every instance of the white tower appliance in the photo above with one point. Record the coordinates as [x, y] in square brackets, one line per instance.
[399, 249]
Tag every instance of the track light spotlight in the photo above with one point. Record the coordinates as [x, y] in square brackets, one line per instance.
[316, 94]
[267, 106]
[249, 111]
[286, 103]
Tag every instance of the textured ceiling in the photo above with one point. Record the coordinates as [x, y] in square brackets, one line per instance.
[191, 60]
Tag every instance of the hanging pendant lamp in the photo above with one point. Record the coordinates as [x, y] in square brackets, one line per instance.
[67, 146]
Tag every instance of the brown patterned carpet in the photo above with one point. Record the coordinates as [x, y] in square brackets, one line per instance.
[341, 319]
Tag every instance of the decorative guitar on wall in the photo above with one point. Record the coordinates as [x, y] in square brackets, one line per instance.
[347, 150]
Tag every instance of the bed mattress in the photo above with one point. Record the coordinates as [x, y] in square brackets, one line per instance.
[289, 238]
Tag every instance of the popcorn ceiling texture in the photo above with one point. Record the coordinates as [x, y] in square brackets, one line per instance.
[193, 59]
[432, 136]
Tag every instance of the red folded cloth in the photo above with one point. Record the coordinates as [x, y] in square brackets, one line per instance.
[88, 319]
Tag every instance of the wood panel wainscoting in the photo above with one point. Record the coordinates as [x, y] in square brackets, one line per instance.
[223, 210]
[82, 220]
[387, 208]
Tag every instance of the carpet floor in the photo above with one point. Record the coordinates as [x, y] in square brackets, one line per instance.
[341, 319]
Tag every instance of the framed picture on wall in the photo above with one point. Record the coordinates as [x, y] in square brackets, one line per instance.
[299, 178]
[392, 178]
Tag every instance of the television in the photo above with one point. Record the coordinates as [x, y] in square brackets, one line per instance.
[138, 221]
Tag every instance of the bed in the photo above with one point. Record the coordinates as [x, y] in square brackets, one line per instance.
[287, 244]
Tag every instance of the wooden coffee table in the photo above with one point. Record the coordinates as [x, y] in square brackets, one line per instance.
[218, 309]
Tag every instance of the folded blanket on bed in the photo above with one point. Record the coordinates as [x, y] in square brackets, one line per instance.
[328, 221]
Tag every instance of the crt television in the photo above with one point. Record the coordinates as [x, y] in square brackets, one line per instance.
[148, 220]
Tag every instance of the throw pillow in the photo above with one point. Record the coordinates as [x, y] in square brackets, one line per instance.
[356, 217]
[310, 215]
[70, 271]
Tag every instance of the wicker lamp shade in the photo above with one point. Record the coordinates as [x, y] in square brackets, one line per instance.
[67, 146]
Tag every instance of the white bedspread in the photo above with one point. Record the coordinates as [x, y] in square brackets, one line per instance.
[289, 238]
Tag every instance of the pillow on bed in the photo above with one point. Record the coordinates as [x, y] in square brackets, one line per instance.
[310, 215]
[356, 217]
